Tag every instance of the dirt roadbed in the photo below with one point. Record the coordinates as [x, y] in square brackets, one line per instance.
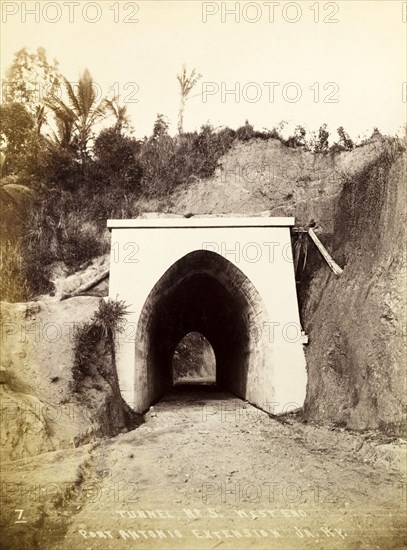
[207, 470]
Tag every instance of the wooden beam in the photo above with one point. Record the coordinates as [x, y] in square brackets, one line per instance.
[330, 261]
[299, 230]
[87, 286]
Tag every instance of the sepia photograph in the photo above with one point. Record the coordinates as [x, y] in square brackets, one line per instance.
[203, 275]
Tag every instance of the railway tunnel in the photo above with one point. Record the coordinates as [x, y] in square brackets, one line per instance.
[217, 277]
[203, 292]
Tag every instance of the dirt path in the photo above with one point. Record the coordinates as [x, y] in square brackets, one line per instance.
[207, 470]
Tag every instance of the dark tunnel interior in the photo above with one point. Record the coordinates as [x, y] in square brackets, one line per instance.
[206, 293]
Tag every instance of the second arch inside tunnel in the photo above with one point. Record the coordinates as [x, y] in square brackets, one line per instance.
[202, 292]
[194, 361]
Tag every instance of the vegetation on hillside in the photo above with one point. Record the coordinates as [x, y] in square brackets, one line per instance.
[69, 161]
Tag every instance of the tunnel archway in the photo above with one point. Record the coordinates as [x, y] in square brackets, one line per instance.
[206, 293]
[194, 361]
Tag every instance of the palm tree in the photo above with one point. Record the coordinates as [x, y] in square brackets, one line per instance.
[77, 119]
[120, 113]
[64, 131]
[186, 84]
[39, 118]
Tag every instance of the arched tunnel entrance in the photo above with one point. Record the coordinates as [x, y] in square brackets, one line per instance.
[205, 293]
[231, 280]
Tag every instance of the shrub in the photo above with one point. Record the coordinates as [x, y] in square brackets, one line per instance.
[95, 338]
[169, 162]
[110, 318]
[80, 243]
[86, 352]
[57, 167]
[197, 154]
[344, 139]
[298, 139]
[117, 160]
[246, 132]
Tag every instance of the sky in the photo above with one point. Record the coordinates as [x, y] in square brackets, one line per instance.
[342, 63]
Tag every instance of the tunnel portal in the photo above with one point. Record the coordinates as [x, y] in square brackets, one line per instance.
[181, 280]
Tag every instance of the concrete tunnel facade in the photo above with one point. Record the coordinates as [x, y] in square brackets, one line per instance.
[232, 280]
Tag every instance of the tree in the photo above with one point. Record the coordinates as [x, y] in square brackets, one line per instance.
[30, 80]
[77, 118]
[344, 140]
[156, 158]
[186, 84]
[322, 142]
[300, 135]
[160, 128]
[16, 133]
